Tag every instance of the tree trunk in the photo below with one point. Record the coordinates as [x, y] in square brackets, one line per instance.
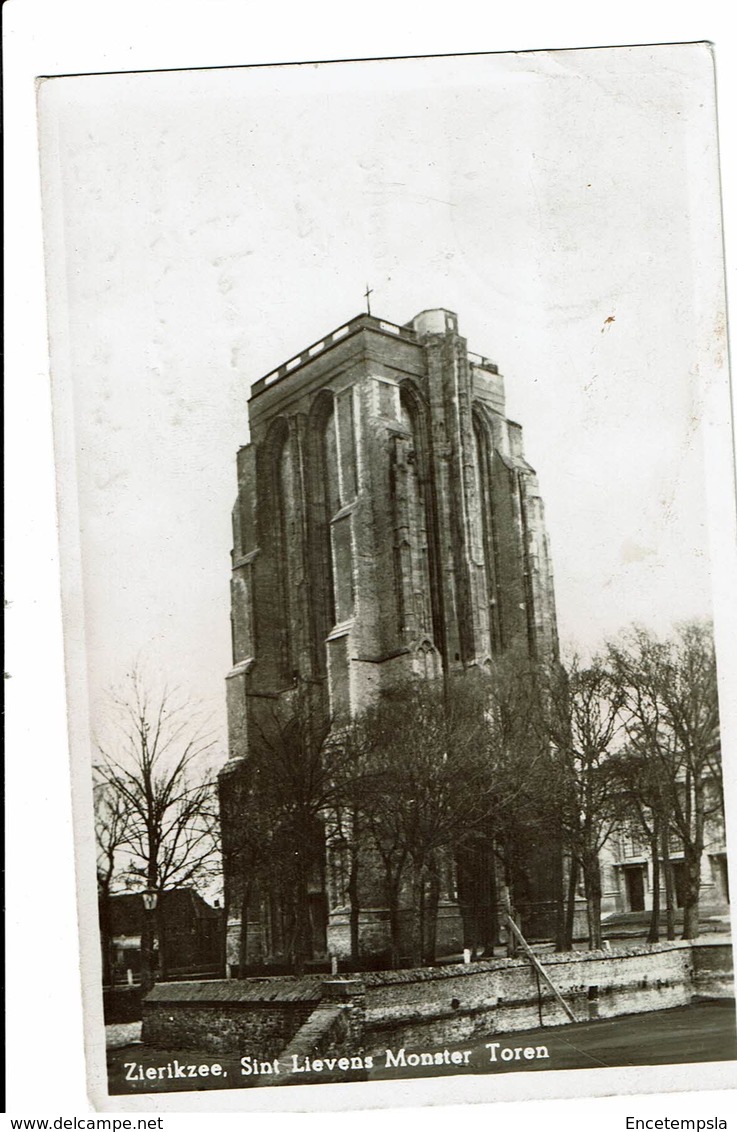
[470, 897]
[477, 893]
[670, 917]
[105, 937]
[692, 854]
[431, 905]
[355, 910]
[490, 937]
[392, 883]
[301, 933]
[653, 934]
[243, 930]
[571, 904]
[560, 901]
[692, 887]
[223, 938]
[592, 883]
[508, 913]
[416, 909]
[160, 955]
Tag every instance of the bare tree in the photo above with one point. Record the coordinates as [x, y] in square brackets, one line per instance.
[349, 830]
[248, 832]
[522, 810]
[456, 777]
[585, 722]
[290, 788]
[424, 785]
[154, 769]
[646, 798]
[669, 690]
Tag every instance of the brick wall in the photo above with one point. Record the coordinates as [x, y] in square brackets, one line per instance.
[256, 1016]
[503, 995]
[713, 969]
[326, 1033]
[318, 1017]
[221, 1028]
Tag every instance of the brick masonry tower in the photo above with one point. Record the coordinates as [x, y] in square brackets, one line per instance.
[387, 524]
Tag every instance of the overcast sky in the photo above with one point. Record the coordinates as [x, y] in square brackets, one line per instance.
[204, 226]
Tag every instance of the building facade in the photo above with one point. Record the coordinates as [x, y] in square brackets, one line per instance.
[628, 876]
[387, 524]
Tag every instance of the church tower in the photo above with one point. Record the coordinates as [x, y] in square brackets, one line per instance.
[387, 524]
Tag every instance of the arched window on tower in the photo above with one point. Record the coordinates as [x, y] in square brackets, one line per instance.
[287, 535]
[341, 528]
[329, 463]
[412, 537]
[323, 504]
[276, 605]
[484, 544]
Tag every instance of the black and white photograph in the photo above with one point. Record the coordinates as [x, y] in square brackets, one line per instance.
[396, 507]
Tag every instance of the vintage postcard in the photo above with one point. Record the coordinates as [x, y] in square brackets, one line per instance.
[397, 513]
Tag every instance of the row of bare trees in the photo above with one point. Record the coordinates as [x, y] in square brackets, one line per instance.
[432, 781]
[437, 785]
[671, 768]
[635, 738]
[463, 779]
[391, 793]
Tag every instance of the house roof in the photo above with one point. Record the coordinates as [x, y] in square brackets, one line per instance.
[126, 908]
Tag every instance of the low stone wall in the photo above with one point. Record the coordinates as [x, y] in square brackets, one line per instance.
[505, 995]
[314, 1016]
[713, 969]
[233, 1016]
[325, 1031]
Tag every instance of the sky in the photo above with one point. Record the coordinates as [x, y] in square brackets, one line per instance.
[204, 226]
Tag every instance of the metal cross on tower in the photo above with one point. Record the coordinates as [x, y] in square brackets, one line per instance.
[367, 293]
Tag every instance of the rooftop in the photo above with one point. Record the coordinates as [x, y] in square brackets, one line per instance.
[364, 321]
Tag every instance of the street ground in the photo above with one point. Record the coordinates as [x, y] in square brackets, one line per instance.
[701, 1032]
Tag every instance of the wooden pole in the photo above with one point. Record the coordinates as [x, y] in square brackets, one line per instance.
[538, 966]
